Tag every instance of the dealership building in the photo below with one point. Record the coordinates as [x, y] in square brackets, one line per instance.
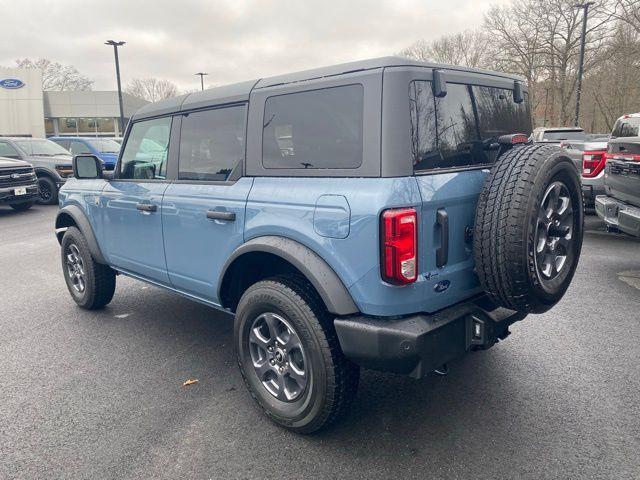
[28, 111]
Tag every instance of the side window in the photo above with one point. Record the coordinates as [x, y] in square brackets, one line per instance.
[212, 143]
[498, 114]
[444, 129]
[8, 151]
[146, 150]
[316, 129]
[78, 148]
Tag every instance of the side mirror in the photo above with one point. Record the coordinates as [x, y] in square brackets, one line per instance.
[518, 95]
[87, 166]
[439, 84]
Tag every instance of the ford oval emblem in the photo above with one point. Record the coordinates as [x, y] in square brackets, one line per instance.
[441, 286]
[11, 83]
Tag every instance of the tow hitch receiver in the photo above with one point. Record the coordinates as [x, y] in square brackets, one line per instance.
[420, 344]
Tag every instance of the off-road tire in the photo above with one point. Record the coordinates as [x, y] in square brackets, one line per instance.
[47, 183]
[100, 280]
[21, 207]
[333, 379]
[506, 223]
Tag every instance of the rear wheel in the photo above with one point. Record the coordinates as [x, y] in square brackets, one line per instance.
[289, 355]
[21, 207]
[90, 284]
[48, 191]
[529, 227]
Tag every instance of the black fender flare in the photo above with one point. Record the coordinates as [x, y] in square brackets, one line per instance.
[323, 278]
[82, 223]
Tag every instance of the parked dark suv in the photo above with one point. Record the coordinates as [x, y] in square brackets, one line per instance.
[386, 214]
[18, 184]
[51, 162]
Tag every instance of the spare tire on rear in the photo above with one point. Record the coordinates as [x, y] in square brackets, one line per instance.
[528, 228]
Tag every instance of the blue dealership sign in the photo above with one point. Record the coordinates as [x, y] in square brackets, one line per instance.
[11, 83]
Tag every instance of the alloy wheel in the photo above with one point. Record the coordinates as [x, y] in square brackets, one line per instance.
[553, 241]
[278, 357]
[75, 268]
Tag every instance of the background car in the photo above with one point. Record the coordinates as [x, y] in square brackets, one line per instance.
[18, 184]
[589, 157]
[620, 207]
[105, 149]
[51, 162]
[557, 134]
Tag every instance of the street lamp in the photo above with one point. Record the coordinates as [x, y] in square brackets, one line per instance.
[115, 51]
[585, 7]
[202, 74]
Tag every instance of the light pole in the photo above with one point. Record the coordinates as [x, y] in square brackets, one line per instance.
[546, 103]
[585, 7]
[202, 74]
[115, 51]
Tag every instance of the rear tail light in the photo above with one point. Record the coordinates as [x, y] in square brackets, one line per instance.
[399, 236]
[625, 158]
[593, 163]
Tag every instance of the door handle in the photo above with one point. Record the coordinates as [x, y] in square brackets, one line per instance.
[442, 253]
[220, 215]
[146, 207]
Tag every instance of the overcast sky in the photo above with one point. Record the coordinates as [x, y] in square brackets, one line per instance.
[231, 40]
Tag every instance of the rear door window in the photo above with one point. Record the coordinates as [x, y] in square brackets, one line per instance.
[316, 129]
[211, 144]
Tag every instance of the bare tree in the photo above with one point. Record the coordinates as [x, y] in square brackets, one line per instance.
[626, 11]
[466, 48]
[151, 89]
[57, 76]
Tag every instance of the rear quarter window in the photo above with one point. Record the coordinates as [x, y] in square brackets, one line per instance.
[317, 129]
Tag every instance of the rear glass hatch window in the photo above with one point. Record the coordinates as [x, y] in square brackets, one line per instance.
[456, 131]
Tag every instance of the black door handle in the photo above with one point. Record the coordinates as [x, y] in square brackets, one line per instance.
[146, 207]
[220, 215]
[442, 253]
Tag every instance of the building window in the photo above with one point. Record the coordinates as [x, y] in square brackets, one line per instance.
[105, 125]
[48, 127]
[86, 126]
[67, 126]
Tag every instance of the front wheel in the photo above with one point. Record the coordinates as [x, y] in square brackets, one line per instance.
[289, 355]
[47, 191]
[90, 284]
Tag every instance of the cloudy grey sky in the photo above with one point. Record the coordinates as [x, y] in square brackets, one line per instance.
[233, 40]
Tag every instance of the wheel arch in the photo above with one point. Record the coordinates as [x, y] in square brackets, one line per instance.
[44, 172]
[73, 216]
[262, 257]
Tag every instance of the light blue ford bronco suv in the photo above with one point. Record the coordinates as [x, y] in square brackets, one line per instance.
[385, 214]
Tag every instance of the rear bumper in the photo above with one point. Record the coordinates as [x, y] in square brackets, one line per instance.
[8, 196]
[617, 214]
[419, 344]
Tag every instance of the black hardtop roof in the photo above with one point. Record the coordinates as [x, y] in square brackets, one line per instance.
[239, 92]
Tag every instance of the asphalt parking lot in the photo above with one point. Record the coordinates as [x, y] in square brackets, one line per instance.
[100, 395]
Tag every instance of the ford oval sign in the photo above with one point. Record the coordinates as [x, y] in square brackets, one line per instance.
[11, 83]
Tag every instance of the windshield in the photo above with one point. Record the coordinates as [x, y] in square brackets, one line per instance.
[41, 148]
[104, 145]
[557, 135]
[626, 127]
